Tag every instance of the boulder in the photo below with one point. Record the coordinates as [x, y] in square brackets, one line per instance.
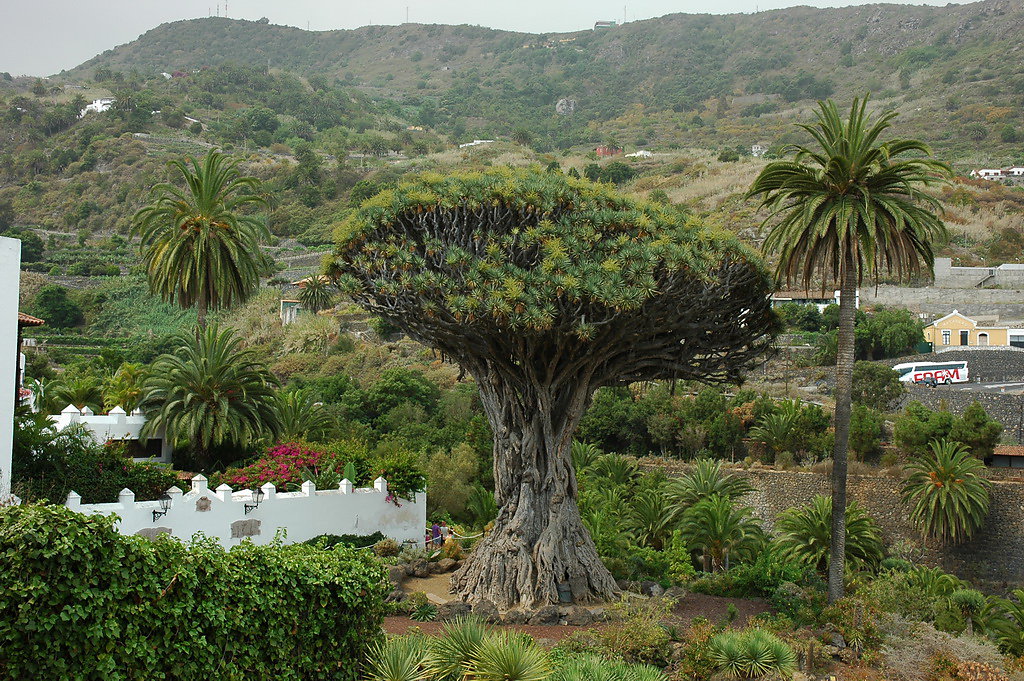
[396, 596]
[515, 617]
[487, 611]
[547, 615]
[435, 568]
[421, 568]
[578, 616]
[452, 609]
[447, 565]
[675, 593]
[396, 574]
[653, 589]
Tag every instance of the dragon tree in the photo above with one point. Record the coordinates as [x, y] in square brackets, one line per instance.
[546, 288]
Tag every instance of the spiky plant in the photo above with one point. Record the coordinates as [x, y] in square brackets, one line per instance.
[123, 388]
[651, 519]
[775, 430]
[751, 654]
[706, 479]
[934, 581]
[199, 247]
[509, 656]
[947, 493]
[402, 658]
[615, 468]
[592, 667]
[302, 417]
[1005, 618]
[805, 534]
[722, 530]
[210, 392]
[451, 653]
[584, 454]
[847, 206]
[316, 293]
[970, 603]
[82, 390]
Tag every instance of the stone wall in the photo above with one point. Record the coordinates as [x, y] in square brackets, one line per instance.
[949, 276]
[996, 554]
[1004, 303]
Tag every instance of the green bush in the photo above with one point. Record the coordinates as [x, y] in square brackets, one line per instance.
[354, 541]
[752, 654]
[47, 465]
[79, 600]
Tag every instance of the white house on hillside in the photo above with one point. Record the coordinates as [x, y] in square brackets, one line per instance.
[97, 106]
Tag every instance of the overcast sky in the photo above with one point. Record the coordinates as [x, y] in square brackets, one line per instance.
[43, 37]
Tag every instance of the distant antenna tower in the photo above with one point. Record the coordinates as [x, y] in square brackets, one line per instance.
[407, 14]
[218, 9]
[225, 9]
[623, 14]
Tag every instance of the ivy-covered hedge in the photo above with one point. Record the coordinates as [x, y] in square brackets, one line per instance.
[80, 601]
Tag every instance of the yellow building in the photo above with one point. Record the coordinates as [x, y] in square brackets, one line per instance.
[956, 329]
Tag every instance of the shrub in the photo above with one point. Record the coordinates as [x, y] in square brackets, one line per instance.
[355, 541]
[876, 385]
[386, 548]
[103, 605]
[47, 465]
[752, 654]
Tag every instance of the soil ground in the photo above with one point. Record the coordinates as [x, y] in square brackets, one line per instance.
[714, 608]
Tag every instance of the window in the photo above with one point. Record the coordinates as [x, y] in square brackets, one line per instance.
[982, 339]
[945, 336]
[964, 337]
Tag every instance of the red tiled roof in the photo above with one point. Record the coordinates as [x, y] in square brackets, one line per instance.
[29, 320]
[1009, 450]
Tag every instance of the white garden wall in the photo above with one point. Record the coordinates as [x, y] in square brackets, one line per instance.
[116, 425]
[303, 515]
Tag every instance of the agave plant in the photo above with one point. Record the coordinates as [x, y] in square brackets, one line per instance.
[452, 653]
[751, 654]
[508, 656]
[805, 534]
[946, 492]
[934, 581]
[706, 479]
[402, 658]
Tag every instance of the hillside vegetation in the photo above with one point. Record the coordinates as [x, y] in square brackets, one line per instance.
[678, 79]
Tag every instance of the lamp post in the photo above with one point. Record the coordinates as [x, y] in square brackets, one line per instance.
[257, 497]
[165, 506]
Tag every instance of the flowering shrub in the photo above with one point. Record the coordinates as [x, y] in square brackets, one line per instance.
[288, 465]
[282, 465]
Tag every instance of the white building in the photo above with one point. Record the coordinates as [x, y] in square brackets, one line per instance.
[643, 153]
[10, 271]
[758, 150]
[97, 106]
[1015, 171]
[474, 143]
[987, 173]
[114, 426]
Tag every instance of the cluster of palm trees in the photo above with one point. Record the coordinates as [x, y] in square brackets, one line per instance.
[705, 508]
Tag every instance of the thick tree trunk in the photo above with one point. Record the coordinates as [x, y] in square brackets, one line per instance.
[538, 541]
[844, 394]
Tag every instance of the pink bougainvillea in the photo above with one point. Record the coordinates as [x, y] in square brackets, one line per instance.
[281, 465]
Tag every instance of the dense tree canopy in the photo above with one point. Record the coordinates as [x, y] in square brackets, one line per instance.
[546, 288]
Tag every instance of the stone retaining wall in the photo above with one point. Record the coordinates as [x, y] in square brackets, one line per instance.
[996, 554]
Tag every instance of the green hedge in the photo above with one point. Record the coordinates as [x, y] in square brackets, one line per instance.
[80, 601]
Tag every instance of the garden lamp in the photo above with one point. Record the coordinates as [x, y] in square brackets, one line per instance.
[165, 506]
[257, 497]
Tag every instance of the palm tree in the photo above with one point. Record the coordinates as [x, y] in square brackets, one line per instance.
[804, 535]
[721, 530]
[123, 388]
[316, 294]
[651, 519]
[947, 495]
[706, 479]
[850, 205]
[197, 247]
[210, 392]
[301, 417]
[82, 390]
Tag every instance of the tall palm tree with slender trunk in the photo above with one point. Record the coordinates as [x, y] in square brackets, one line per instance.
[198, 245]
[848, 205]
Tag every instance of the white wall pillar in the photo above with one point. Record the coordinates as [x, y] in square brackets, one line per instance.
[10, 280]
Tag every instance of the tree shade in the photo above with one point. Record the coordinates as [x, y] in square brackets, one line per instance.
[546, 288]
